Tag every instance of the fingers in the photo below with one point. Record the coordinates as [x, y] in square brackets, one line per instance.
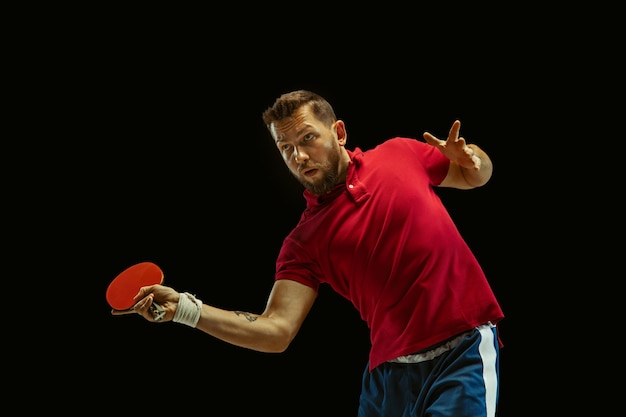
[143, 291]
[143, 305]
[454, 131]
[122, 312]
[431, 140]
[143, 308]
[453, 136]
[475, 158]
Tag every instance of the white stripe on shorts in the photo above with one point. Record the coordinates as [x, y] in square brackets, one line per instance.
[488, 354]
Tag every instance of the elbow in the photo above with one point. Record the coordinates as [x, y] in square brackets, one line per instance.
[477, 178]
[276, 346]
[279, 349]
[280, 342]
[481, 181]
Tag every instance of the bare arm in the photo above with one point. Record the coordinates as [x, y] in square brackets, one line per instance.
[271, 331]
[470, 166]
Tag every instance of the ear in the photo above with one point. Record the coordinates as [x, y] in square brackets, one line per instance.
[340, 129]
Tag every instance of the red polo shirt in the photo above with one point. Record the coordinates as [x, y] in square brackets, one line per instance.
[384, 241]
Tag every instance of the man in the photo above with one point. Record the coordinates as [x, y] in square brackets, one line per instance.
[376, 232]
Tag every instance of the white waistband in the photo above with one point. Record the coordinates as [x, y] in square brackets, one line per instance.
[434, 352]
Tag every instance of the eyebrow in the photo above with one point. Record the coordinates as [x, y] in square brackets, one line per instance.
[298, 133]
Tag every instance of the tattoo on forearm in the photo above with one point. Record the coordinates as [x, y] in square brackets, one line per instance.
[248, 316]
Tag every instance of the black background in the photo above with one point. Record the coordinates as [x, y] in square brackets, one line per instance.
[155, 151]
[188, 178]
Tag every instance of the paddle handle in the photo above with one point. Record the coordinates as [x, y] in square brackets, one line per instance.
[157, 311]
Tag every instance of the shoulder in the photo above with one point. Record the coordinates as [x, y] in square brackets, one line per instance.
[408, 154]
[404, 146]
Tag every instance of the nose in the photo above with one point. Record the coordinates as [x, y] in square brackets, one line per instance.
[299, 155]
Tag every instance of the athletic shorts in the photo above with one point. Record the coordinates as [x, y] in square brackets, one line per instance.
[456, 379]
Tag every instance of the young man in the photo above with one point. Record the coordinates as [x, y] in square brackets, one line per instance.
[376, 232]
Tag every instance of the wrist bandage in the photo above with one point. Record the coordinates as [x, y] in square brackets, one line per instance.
[188, 310]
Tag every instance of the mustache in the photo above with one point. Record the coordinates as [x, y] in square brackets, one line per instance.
[305, 166]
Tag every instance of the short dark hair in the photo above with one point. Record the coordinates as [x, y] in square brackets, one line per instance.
[288, 103]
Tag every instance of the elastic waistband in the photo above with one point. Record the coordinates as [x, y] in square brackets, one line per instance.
[436, 351]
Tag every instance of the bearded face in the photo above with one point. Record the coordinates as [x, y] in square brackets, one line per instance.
[312, 150]
[326, 177]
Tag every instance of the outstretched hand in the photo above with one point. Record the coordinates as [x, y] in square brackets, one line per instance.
[455, 148]
[166, 297]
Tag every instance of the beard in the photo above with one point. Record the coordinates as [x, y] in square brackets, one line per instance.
[330, 171]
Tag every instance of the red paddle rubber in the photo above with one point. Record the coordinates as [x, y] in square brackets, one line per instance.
[127, 284]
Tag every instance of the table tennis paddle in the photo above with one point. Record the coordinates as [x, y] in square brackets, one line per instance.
[127, 284]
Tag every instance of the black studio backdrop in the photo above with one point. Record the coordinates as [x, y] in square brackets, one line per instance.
[185, 175]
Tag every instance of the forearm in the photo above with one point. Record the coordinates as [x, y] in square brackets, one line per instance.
[252, 331]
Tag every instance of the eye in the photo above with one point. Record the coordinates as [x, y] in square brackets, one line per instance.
[285, 147]
[309, 136]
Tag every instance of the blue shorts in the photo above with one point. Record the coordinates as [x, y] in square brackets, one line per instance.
[459, 379]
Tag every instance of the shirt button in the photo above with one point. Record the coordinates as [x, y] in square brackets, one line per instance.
[351, 186]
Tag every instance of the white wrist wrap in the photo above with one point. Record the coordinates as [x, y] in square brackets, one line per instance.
[188, 310]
